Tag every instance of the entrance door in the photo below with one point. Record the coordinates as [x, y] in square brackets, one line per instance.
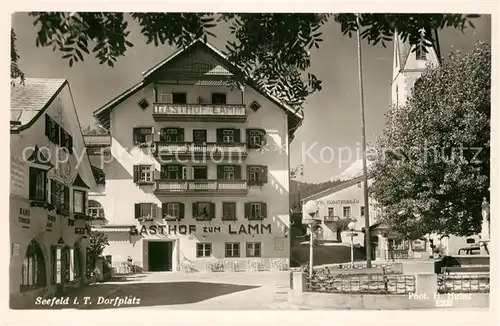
[160, 256]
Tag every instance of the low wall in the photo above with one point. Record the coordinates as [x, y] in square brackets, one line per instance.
[425, 297]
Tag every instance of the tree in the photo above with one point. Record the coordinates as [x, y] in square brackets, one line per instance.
[433, 162]
[272, 49]
[98, 241]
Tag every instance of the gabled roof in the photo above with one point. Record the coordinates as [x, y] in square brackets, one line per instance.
[78, 182]
[294, 113]
[29, 101]
[339, 187]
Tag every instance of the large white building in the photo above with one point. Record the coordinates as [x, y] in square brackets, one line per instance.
[50, 179]
[197, 171]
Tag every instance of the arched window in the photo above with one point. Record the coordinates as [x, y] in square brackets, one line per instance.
[95, 210]
[33, 271]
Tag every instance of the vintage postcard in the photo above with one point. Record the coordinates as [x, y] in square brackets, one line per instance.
[250, 161]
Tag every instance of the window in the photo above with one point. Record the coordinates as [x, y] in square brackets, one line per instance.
[255, 105]
[66, 141]
[229, 172]
[199, 136]
[362, 211]
[331, 212]
[218, 98]
[200, 172]
[143, 104]
[232, 249]
[228, 136]
[253, 249]
[165, 98]
[95, 210]
[203, 211]
[255, 210]
[359, 184]
[256, 138]
[257, 174]
[59, 197]
[33, 270]
[52, 130]
[420, 54]
[229, 211]
[397, 96]
[78, 202]
[145, 210]
[38, 184]
[179, 98]
[346, 211]
[171, 172]
[172, 134]
[143, 174]
[173, 211]
[203, 250]
[143, 136]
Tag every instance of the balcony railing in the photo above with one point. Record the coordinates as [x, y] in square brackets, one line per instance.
[196, 150]
[331, 218]
[199, 112]
[199, 187]
[97, 140]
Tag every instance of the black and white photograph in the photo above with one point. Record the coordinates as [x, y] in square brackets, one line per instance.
[250, 161]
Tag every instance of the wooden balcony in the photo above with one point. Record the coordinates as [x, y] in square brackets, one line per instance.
[97, 144]
[189, 150]
[201, 187]
[199, 112]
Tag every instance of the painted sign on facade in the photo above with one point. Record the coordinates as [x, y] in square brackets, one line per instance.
[338, 202]
[162, 229]
[18, 176]
[199, 110]
[24, 216]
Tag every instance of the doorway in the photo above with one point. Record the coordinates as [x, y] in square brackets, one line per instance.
[160, 256]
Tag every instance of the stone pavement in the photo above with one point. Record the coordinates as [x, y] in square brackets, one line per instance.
[198, 291]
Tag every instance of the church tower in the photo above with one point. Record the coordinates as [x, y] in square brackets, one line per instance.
[408, 66]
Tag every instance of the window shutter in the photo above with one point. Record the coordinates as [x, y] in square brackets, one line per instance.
[180, 132]
[247, 209]
[248, 139]
[220, 172]
[237, 172]
[212, 211]
[156, 174]
[137, 210]
[237, 135]
[263, 138]
[47, 126]
[181, 211]
[219, 135]
[53, 192]
[195, 210]
[263, 207]
[32, 183]
[263, 174]
[70, 144]
[66, 198]
[137, 172]
[154, 210]
[57, 139]
[84, 204]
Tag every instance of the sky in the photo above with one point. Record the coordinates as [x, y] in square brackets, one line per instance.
[332, 123]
